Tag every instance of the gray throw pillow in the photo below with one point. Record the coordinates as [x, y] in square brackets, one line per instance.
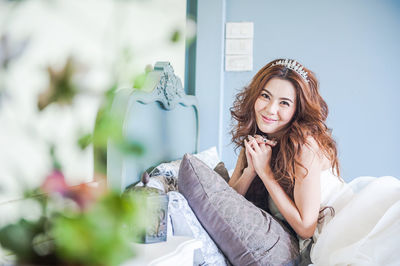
[246, 234]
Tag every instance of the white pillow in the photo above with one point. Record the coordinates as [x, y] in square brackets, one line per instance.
[209, 157]
[183, 222]
[164, 176]
[181, 219]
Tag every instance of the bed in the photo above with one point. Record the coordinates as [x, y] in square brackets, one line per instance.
[165, 121]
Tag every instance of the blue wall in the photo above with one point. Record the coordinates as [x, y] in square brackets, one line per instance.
[352, 46]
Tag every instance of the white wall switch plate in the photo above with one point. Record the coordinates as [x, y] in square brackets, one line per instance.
[238, 62]
[239, 46]
[241, 30]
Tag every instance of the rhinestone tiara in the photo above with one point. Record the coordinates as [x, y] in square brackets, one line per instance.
[293, 65]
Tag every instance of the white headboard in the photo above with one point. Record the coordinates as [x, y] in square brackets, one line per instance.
[160, 117]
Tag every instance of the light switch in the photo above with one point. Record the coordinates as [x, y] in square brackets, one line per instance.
[244, 30]
[238, 62]
[239, 46]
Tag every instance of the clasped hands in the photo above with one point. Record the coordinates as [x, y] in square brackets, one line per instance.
[258, 152]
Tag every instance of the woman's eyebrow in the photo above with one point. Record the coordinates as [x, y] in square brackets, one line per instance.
[282, 98]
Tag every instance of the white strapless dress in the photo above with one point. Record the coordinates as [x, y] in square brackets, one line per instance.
[365, 229]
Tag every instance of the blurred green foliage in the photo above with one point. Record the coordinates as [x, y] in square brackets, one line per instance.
[18, 238]
[81, 225]
[176, 36]
[102, 235]
[108, 127]
[99, 232]
[62, 89]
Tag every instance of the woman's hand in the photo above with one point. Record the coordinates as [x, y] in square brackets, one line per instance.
[261, 139]
[258, 152]
[250, 168]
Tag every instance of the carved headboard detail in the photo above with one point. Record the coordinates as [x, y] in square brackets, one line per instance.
[161, 117]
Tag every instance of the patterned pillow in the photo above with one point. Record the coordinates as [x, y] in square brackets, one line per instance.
[185, 223]
[246, 234]
[157, 182]
[167, 173]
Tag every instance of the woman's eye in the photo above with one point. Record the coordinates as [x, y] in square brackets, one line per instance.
[285, 103]
[266, 96]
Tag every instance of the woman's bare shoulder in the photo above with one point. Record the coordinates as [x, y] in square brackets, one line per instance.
[311, 143]
[311, 151]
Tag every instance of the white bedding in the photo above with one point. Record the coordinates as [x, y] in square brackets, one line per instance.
[181, 219]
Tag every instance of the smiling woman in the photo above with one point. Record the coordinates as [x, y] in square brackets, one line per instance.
[275, 107]
[283, 102]
[295, 176]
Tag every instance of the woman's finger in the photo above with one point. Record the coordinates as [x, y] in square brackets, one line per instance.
[265, 147]
[251, 141]
[259, 139]
[264, 140]
[271, 143]
[254, 143]
[248, 147]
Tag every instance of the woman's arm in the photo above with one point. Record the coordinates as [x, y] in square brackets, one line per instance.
[242, 176]
[302, 213]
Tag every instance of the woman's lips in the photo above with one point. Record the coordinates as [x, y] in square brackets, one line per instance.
[268, 120]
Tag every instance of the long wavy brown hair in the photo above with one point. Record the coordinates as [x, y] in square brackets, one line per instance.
[309, 119]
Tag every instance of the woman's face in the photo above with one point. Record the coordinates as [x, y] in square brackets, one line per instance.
[275, 106]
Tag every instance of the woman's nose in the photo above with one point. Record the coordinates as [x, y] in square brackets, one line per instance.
[272, 107]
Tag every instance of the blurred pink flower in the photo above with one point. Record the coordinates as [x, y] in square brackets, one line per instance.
[83, 194]
[55, 183]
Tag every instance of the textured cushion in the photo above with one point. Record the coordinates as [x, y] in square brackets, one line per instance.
[246, 234]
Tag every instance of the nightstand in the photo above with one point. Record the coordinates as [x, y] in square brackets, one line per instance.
[177, 250]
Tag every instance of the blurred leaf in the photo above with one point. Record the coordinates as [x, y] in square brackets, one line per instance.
[18, 238]
[109, 95]
[134, 148]
[148, 68]
[139, 81]
[108, 126]
[61, 88]
[85, 141]
[100, 160]
[176, 36]
[101, 236]
[54, 159]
